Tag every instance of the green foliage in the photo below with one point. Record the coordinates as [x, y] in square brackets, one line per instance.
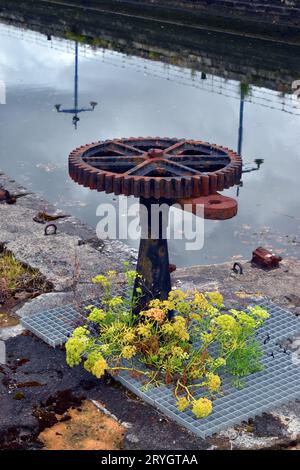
[165, 346]
[245, 360]
[11, 272]
[245, 89]
[15, 276]
[75, 37]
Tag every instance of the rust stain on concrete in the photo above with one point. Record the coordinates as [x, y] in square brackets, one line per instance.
[85, 428]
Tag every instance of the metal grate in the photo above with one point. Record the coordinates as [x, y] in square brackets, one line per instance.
[278, 383]
[55, 326]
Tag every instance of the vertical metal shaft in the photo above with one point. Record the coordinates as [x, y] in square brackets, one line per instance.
[241, 124]
[153, 260]
[76, 78]
[75, 119]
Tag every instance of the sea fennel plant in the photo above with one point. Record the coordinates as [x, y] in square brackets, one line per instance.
[187, 352]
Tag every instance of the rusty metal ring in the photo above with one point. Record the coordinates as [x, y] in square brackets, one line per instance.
[238, 268]
[48, 227]
[155, 167]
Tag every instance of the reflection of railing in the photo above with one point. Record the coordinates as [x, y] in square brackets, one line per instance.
[206, 82]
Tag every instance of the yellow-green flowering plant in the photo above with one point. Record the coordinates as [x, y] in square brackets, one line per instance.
[186, 352]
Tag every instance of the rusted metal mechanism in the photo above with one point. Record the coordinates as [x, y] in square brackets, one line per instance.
[216, 206]
[172, 268]
[5, 196]
[265, 258]
[159, 170]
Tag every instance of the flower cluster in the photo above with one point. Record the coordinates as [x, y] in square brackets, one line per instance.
[202, 407]
[180, 353]
[213, 382]
[226, 323]
[180, 328]
[129, 336]
[77, 345]
[216, 299]
[144, 330]
[128, 352]
[182, 403]
[102, 280]
[156, 314]
[96, 364]
[97, 315]
[161, 348]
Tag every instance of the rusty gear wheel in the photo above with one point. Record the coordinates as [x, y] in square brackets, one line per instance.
[155, 167]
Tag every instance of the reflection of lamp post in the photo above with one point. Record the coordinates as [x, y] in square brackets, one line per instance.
[258, 161]
[241, 123]
[75, 111]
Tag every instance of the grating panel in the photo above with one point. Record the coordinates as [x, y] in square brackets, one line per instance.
[277, 384]
[56, 325]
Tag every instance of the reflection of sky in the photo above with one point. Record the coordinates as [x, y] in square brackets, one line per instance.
[35, 140]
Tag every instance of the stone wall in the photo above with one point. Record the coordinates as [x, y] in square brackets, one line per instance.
[277, 19]
[262, 63]
[275, 12]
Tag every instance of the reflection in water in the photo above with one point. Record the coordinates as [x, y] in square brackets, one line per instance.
[245, 90]
[148, 97]
[76, 110]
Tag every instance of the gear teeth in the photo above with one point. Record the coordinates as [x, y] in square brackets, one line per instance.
[166, 188]
[172, 184]
[101, 182]
[205, 185]
[146, 189]
[213, 186]
[137, 187]
[156, 189]
[228, 179]
[118, 182]
[127, 187]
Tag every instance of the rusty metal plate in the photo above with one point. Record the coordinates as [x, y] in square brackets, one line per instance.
[216, 206]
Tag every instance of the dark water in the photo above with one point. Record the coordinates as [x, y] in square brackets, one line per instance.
[139, 98]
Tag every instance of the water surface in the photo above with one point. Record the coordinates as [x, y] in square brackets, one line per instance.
[139, 97]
